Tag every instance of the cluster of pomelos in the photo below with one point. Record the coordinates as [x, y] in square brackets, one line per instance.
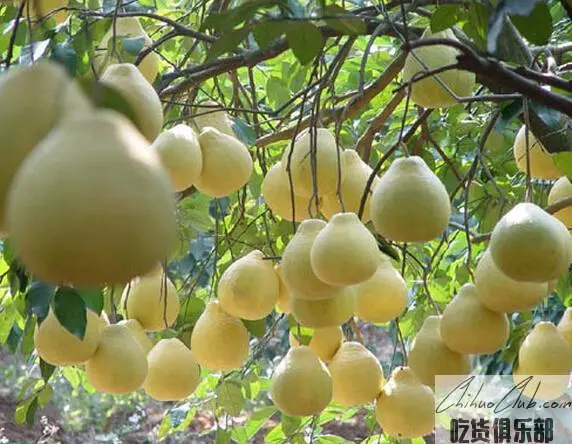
[87, 199]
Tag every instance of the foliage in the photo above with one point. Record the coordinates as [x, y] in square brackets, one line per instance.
[274, 64]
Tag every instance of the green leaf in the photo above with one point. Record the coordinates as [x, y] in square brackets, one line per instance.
[498, 17]
[267, 32]
[257, 420]
[38, 299]
[508, 113]
[227, 20]
[45, 396]
[549, 116]
[199, 220]
[14, 338]
[93, 299]
[191, 310]
[230, 397]
[46, 370]
[65, 55]
[537, 26]
[257, 328]
[133, 45]
[333, 439]
[72, 375]
[222, 437]
[277, 91]
[345, 25]
[244, 132]
[70, 310]
[306, 41]
[27, 343]
[228, 42]
[164, 427]
[290, 424]
[184, 420]
[563, 162]
[26, 412]
[444, 17]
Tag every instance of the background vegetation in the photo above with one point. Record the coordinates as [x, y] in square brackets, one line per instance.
[278, 66]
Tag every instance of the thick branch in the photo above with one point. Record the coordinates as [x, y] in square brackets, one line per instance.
[469, 60]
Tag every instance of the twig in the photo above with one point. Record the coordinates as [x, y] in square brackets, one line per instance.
[469, 60]
[386, 156]
[363, 145]
[353, 108]
[356, 331]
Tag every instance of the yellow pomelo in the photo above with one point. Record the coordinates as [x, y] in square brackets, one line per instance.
[126, 27]
[219, 341]
[357, 375]
[498, 292]
[344, 252]
[541, 164]
[212, 115]
[429, 92]
[325, 342]
[138, 93]
[301, 384]
[545, 356]
[405, 409]
[296, 268]
[174, 373]
[277, 195]
[429, 356]
[39, 10]
[283, 301]
[41, 96]
[410, 203]
[544, 387]
[144, 341]
[565, 325]
[57, 346]
[382, 297]
[227, 164]
[545, 351]
[180, 154]
[152, 300]
[468, 327]
[114, 227]
[528, 244]
[323, 156]
[355, 174]
[248, 289]
[562, 189]
[331, 312]
[119, 365]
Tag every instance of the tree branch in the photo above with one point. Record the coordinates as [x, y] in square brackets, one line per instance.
[363, 145]
[354, 106]
[469, 60]
[195, 75]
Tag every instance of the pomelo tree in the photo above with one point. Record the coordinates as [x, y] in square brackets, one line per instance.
[284, 212]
